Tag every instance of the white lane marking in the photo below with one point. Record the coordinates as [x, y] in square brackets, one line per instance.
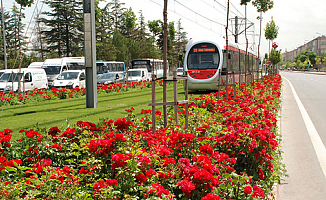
[314, 136]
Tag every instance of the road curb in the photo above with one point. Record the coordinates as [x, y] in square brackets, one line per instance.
[276, 185]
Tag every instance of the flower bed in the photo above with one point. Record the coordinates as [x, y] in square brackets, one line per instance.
[230, 151]
[11, 98]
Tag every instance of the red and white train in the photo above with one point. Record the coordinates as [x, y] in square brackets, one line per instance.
[205, 59]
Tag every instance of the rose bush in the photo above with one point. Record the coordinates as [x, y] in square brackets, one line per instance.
[230, 151]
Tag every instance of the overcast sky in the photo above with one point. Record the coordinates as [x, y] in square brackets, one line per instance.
[299, 21]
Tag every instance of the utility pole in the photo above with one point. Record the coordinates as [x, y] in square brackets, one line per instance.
[90, 53]
[4, 37]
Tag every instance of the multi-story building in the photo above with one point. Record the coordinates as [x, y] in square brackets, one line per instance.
[317, 45]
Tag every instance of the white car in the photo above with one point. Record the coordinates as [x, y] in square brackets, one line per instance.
[70, 79]
[180, 72]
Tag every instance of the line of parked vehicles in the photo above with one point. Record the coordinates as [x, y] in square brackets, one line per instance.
[69, 72]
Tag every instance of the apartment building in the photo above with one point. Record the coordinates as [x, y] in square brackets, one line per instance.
[318, 45]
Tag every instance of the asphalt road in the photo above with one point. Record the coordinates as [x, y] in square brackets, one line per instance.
[304, 136]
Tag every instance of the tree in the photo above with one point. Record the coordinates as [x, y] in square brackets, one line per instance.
[262, 6]
[244, 2]
[171, 55]
[303, 56]
[121, 45]
[181, 39]
[15, 40]
[275, 56]
[63, 30]
[271, 31]
[117, 14]
[105, 50]
[307, 63]
[155, 27]
[6, 16]
[318, 62]
[143, 41]
[23, 4]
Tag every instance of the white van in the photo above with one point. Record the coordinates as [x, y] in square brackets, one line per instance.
[35, 65]
[3, 71]
[53, 67]
[70, 79]
[31, 78]
[136, 75]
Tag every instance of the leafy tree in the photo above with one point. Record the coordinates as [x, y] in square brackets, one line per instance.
[143, 39]
[105, 50]
[181, 39]
[142, 26]
[271, 31]
[318, 62]
[121, 45]
[171, 55]
[6, 16]
[303, 56]
[155, 27]
[262, 6]
[25, 3]
[63, 30]
[244, 2]
[275, 58]
[15, 39]
[307, 63]
[117, 14]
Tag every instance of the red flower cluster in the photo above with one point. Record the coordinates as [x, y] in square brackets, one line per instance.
[122, 124]
[104, 184]
[5, 137]
[8, 163]
[211, 196]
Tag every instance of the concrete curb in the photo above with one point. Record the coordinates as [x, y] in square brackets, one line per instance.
[276, 185]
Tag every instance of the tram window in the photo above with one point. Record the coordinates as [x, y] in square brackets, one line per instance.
[207, 58]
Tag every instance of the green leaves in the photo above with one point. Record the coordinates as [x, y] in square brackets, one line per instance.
[271, 30]
[25, 3]
[263, 5]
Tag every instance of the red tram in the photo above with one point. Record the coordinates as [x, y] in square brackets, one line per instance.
[205, 63]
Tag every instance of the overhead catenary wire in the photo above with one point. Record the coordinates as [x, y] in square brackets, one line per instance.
[236, 10]
[213, 7]
[199, 14]
[189, 19]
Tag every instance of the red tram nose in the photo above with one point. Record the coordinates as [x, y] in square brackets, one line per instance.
[202, 74]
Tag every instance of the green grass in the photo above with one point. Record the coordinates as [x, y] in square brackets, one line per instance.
[66, 112]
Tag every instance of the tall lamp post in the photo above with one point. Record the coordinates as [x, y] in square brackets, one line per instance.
[90, 53]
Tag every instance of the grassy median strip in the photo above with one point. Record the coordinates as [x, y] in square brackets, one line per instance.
[63, 112]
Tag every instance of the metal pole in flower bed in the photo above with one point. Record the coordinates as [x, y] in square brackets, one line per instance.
[175, 93]
[165, 45]
[153, 103]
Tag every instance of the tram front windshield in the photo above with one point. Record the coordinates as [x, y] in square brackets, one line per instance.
[203, 56]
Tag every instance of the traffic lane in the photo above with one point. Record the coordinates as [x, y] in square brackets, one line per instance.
[311, 88]
[306, 179]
